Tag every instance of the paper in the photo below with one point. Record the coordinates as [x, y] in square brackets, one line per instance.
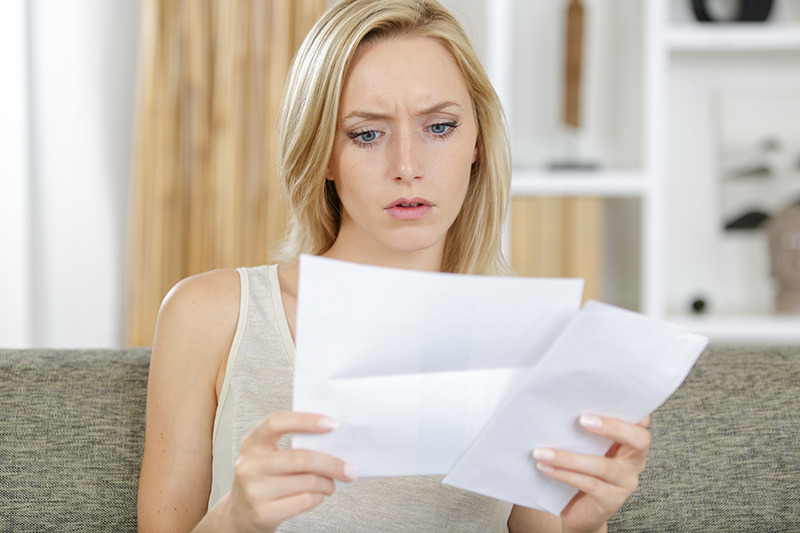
[438, 373]
[413, 364]
[608, 362]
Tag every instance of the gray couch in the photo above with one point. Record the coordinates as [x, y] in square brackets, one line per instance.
[725, 454]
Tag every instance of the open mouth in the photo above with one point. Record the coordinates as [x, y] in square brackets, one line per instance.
[406, 209]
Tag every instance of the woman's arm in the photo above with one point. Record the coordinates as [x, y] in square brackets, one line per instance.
[604, 483]
[196, 324]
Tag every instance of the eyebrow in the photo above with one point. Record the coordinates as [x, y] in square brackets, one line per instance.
[427, 111]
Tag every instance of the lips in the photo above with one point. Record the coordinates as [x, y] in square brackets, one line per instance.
[405, 209]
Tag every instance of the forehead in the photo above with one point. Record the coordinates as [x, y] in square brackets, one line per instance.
[404, 71]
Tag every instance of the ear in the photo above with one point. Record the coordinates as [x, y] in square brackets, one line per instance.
[476, 152]
[328, 174]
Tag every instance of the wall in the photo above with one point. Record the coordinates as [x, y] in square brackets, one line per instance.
[15, 309]
[67, 239]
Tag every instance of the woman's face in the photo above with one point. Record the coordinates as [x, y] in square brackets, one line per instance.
[404, 146]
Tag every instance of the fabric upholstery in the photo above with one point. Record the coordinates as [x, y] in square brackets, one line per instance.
[725, 453]
[726, 448]
[71, 439]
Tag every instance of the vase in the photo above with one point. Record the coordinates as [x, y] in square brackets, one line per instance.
[784, 245]
[749, 11]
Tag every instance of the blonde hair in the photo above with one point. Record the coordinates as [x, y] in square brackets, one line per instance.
[310, 110]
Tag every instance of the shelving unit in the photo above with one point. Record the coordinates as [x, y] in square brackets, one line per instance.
[609, 184]
[744, 329]
[666, 45]
[687, 45]
[733, 37]
[634, 182]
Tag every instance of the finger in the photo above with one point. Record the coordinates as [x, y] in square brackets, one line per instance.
[271, 515]
[291, 462]
[269, 431]
[274, 488]
[608, 497]
[608, 470]
[634, 436]
[306, 461]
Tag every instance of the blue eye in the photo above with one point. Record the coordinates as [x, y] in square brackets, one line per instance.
[365, 137]
[443, 129]
[368, 136]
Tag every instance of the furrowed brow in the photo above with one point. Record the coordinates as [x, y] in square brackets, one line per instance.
[369, 115]
[365, 115]
[440, 107]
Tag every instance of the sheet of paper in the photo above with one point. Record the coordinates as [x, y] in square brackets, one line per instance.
[466, 375]
[607, 362]
[414, 364]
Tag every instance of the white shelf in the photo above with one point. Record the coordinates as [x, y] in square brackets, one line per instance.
[743, 329]
[733, 37]
[662, 41]
[605, 183]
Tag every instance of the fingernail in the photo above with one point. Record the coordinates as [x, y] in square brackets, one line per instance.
[543, 454]
[589, 421]
[350, 472]
[328, 423]
[544, 468]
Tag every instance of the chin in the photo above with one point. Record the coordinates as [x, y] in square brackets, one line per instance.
[419, 243]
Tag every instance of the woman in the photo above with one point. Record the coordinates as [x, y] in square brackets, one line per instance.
[393, 153]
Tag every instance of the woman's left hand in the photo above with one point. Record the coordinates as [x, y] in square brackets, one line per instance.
[604, 482]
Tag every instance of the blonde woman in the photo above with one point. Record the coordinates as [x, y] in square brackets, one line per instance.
[394, 153]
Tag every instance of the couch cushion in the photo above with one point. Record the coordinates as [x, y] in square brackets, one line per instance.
[726, 448]
[71, 438]
[725, 453]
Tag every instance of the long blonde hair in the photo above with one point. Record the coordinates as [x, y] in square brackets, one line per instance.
[310, 110]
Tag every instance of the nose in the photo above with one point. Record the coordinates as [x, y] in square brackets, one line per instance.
[406, 157]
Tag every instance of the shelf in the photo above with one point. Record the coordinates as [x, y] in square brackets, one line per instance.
[743, 329]
[606, 183]
[733, 37]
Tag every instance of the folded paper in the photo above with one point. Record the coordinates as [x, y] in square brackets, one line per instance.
[433, 373]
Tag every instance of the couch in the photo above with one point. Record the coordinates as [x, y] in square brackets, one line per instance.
[725, 453]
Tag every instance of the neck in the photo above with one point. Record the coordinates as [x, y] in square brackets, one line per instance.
[429, 259]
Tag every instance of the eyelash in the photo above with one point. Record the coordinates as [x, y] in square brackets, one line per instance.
[452, 125]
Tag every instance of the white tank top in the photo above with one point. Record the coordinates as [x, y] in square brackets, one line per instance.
[258, 380]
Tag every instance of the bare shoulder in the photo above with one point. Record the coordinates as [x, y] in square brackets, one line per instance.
[203, 299]
[196, 325]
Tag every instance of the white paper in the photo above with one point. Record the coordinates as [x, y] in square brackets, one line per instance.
[413, 364]
[465, 375]
[608, 362]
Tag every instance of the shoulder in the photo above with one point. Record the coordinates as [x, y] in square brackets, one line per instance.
[212, 293]
[200, 313]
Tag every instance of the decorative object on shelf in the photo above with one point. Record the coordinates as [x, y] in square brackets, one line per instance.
[784, 245]
[699, 305]
[574, 60]
[573, 68]
[758, 143]
[746, 10]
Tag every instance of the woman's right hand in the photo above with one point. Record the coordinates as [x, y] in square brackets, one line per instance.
[272, 485]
